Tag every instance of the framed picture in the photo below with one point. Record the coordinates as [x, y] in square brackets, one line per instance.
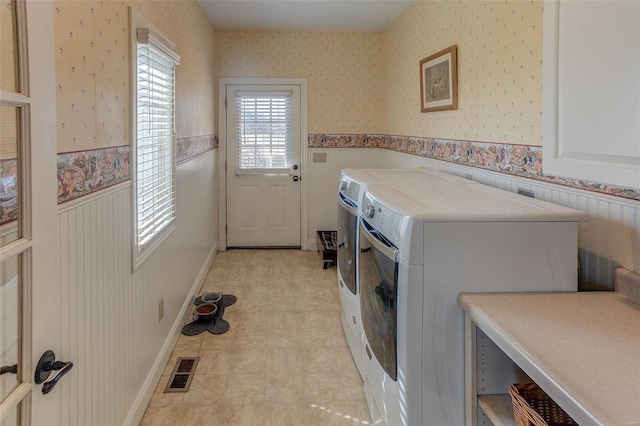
[439, 81]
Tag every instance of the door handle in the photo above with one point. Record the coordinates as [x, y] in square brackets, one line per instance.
[45, 366]
[296, 178]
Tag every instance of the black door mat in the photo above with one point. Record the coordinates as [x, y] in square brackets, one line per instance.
[217, 325]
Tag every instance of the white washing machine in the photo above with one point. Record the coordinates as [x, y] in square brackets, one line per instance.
[418, 249]
[353, 182]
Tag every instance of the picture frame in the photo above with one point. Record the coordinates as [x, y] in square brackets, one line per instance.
[439, 80]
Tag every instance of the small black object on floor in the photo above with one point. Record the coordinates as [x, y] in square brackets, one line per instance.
[216, 325]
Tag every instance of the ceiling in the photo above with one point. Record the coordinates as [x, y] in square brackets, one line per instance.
[304, 15]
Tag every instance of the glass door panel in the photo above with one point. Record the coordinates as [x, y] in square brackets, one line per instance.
[8, 48]
[13, 417]
[10, 223]
[10, 334]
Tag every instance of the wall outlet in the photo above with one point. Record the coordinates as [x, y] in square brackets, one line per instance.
[160, 309]
[526, 192]
[319, 157]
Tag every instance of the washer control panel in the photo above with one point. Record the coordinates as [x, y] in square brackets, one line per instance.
[349, 189]
[381, 217]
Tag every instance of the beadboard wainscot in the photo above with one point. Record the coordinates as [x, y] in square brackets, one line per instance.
[110, 316]
[323, 183]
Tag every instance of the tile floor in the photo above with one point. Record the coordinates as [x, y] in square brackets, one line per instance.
[284, 361]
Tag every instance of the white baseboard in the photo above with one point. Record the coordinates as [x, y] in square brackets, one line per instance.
[146, 392]
[311, 245]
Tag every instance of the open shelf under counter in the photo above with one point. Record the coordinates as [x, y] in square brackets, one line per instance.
[498, 408]
[580, 348]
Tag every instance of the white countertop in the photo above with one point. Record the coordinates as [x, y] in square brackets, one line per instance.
[582, 349]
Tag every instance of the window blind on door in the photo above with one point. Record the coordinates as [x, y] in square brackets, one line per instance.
[264, 130]
[155, 132]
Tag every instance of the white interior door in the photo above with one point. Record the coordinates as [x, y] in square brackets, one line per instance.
[29, 292]
[263, 168]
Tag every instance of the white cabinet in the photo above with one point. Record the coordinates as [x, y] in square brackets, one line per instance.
[591, 91]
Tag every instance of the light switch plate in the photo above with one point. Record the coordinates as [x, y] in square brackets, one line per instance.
[319, 157]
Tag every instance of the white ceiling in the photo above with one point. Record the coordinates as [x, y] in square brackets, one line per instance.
[304, 15]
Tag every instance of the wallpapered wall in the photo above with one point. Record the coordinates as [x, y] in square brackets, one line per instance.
[499, 69]
[345, 72]
[93, 66]
[93, 86]
[369, 82]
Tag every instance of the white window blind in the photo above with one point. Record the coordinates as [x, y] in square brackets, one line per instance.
[155, 205]
[264, 130]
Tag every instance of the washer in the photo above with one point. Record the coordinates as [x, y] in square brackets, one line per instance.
[418, 249]
[353, 182]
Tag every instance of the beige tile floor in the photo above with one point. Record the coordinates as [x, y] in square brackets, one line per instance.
[284, 361]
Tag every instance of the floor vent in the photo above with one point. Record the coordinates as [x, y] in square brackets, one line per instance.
[182, 374]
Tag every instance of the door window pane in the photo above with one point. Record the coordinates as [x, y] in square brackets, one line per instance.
[8, 47]
[13, 417]
[9, 325]
[264, 131]
[10, 229]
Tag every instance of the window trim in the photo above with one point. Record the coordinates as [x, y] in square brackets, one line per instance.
[140, 28]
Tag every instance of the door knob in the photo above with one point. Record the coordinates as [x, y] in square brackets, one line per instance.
[45, 366]
[296, 178]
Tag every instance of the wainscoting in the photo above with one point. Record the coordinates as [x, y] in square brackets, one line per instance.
[110, 326]
[110, 316]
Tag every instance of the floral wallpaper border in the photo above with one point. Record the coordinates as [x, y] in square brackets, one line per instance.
[192, 146]
[84, 172]
[519, 160]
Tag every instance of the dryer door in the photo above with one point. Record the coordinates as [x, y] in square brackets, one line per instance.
[378, 273]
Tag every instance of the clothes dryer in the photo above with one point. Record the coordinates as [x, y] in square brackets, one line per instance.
[353, 182]
[418, 249]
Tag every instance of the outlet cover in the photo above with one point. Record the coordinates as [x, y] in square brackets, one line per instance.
[526, 192]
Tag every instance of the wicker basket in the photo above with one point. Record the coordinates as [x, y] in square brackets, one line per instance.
[533, 407]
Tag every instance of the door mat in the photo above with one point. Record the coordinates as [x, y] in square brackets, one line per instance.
[217, 325]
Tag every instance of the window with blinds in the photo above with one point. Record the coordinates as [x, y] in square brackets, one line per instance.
[154, 134]
[264, 130]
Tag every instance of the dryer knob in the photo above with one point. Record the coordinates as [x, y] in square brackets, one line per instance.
[369, 211]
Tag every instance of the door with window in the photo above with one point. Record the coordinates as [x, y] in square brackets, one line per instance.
[263, 171]
[29, 291]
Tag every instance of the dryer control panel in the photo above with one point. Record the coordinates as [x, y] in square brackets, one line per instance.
[385, 220]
